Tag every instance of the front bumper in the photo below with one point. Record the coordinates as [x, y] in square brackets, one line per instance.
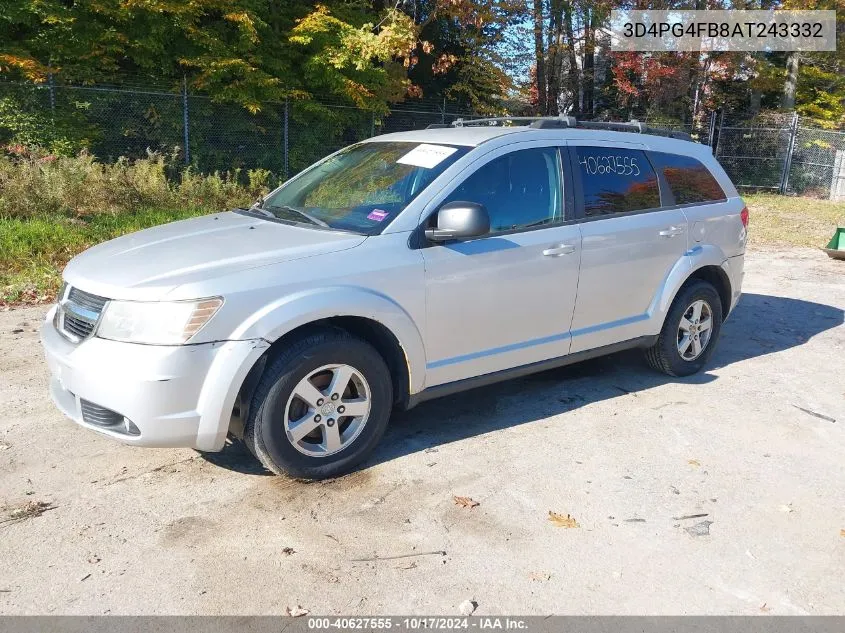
[175, 396]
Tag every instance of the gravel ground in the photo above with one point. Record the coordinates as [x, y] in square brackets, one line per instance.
[753, 449]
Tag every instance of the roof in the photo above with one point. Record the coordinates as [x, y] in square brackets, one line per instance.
[470, 136]
[474, 135]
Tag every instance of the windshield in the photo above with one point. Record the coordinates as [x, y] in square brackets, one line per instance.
[363, 187]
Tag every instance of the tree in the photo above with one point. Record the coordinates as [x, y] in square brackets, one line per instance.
[462, 54]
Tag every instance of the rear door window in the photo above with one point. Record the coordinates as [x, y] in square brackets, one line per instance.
[616, 180]
[690, 181]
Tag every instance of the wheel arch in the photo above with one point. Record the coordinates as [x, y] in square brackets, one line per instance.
[704, 263]
[367, 329]
[716, 277]
[366, 315]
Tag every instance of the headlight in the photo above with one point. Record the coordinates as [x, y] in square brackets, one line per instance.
[156, 323]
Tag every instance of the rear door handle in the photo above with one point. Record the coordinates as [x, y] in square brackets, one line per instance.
[558, 250]
[672, 231]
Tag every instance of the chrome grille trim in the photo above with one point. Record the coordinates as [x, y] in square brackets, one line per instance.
[77, 327]
[86, 300]
[78, 313]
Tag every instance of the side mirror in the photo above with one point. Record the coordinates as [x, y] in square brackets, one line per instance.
[459, 220]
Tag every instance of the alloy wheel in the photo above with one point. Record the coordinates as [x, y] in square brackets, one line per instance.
[327, 410]
[695, 330]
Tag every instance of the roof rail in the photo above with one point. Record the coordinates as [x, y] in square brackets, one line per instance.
[568, 122]
[497, 119]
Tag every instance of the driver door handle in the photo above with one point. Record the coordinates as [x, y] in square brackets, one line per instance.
[559, 249]
[672, 231]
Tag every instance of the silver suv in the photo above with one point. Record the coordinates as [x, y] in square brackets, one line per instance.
[403, 268]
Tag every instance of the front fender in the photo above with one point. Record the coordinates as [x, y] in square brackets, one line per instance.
[306, 306]
[697, 257]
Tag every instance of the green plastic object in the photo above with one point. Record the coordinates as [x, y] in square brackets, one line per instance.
[836, 247]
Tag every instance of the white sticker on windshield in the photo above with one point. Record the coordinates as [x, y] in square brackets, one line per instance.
[427, 156]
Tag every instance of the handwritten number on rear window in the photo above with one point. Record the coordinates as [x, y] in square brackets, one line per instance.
[607, 165]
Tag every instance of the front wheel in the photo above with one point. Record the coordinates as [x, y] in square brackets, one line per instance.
[321, 406]
[689, 332]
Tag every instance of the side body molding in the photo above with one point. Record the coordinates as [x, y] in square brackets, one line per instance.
[306, 306]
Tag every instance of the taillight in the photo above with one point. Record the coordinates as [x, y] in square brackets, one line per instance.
[743, 215]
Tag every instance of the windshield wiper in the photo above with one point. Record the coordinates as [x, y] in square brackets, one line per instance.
[257, 209]
[305, 215]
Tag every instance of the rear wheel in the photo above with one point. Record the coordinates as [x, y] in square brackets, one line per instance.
[321, 406]
[689, 332]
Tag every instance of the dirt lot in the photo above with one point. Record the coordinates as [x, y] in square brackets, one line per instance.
[756, 445]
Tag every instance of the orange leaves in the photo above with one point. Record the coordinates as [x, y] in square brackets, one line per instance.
[27, 66]
[444, 63]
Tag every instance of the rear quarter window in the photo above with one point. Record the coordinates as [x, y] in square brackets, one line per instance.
[688, 179]
[616, 180]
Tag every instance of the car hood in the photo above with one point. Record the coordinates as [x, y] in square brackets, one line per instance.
[149, 264]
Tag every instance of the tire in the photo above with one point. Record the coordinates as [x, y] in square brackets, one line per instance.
[277, 408]
[665, 355]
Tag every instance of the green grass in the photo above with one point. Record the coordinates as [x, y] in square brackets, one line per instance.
[783, 221]
[34, 251]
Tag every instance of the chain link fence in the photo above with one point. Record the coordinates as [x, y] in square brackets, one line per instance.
[784, 153]
[770, 151]
[282, 137]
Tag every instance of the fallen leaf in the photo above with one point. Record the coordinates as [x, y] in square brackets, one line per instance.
[539, 576]
[297, 611]
[786, 508]
[466, 502]
[763, 607]
[563, 521]
[694, 462]
[841, 532]
[288, 551]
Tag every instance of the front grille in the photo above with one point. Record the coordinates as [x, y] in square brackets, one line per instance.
[86, 300]
[78, 313]
[99, 416]
[77, 327]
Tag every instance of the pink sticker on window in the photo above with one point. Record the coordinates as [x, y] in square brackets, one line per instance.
[377, 214]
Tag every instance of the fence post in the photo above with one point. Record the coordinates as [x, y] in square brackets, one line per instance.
[719, 136]
[185, 119]
[787, 162]
[52, 88]
[443, 113]
[373, 125]
[712, 131]
[286, 143]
